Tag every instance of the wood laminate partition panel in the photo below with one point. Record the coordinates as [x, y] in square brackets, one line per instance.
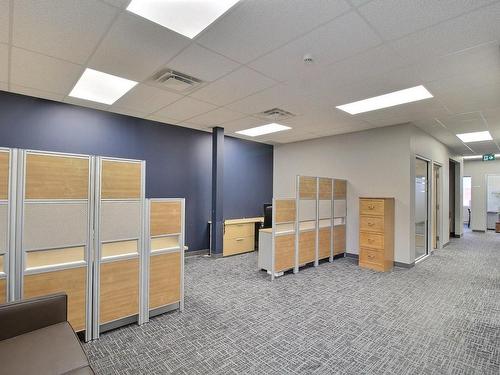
[284, 248]
[307, 243]
[340, 189]
[339, 240]
[325, 188]
[308, 188]
[56, 235]
[119, 290]
[283, 243]
[120, 209]
[325, 242]
[164, 279]
[4, 174]
[71, 281]
[56, 177]
[4, 220]
[166, 242]
[165, 218]
[3, 290]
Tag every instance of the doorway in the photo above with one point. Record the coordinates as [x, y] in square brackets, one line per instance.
[421, 208]
[436, 206]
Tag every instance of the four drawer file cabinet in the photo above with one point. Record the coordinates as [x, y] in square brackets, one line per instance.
[376, 233]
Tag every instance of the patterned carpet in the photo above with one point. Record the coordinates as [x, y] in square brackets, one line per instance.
[440, 317]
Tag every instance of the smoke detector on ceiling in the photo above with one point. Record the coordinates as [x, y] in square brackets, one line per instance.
[308, 59]
[276, 114]
[176, 81]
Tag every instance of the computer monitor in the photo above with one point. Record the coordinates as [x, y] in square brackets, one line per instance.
[268, 215]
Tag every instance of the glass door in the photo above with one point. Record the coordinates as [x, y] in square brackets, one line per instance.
[421, 208]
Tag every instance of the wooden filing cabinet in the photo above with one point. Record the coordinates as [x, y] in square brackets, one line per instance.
[239, 236]
[376, 233]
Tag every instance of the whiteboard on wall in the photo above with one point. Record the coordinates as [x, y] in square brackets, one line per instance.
[493, 193]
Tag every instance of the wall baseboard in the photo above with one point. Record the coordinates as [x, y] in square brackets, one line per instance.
[456, 235]
[404, 265]
[196, 253]
[479, 230]
[351, 255]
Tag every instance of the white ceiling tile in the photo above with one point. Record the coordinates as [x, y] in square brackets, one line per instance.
[127, 112]
[492, 117]
[460, 33]
[30, 69]
[216, 117]
[425, 109]
[67, 29]
[36, 93]
[4, 62]
[262, 101]
[160, 118]
[184, 109]
[337, 40]
[483, 59]
[234, 86]
[118, 3]
[243, 123]
[202, 63]
[4, 20]
[255, 27]
[358, 3]
[135, 48]
[464, 122]
[460, 98]
[146, 99]
[396, 18]
[86, 103]
[485, 147]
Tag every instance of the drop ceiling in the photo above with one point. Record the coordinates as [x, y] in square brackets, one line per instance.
[251, 60]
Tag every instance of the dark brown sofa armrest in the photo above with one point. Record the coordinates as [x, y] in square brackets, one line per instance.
[28, 315]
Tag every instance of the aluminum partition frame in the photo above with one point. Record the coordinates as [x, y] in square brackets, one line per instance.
[273, 235]
[96, 325]
[147, 254]
[8, 272]
[316, 241]
[20, 220]
[334, 217]
[297, 219]
[332, 228]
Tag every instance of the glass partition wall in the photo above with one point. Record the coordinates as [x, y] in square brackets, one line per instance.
[421, 208]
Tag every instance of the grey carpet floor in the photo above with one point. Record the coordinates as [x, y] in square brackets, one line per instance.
[440, 317]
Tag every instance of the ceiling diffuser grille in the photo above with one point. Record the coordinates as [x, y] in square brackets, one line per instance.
[173, 80]
[276, 114]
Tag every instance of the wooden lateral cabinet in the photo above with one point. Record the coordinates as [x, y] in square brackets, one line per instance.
[239, 235]
[376, 233]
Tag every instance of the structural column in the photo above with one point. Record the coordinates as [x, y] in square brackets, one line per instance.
[217, 193]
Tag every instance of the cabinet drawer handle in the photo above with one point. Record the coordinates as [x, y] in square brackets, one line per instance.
[371, 256]
[370, 240]
[370, 224]
[239, 239]
[371, 206]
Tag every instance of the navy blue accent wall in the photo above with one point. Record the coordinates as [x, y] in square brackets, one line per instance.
[248, 177]
[178, 160]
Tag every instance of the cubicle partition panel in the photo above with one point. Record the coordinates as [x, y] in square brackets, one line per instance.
[283, 236]
[340, 216]
[119, 256]
[164, 258]
[325, 218]
[307, 221]
[54, 230]
[6, 191]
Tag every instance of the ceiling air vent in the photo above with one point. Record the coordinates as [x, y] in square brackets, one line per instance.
[172, 80]
[276, 114]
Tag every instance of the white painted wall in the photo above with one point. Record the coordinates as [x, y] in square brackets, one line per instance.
[426, 146]
[377, 163]
[477, 170]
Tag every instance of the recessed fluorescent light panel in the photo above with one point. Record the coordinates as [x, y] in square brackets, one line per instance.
[186, 17]
[264, 129]
[475, 137]
[392, 99]
[101, 87]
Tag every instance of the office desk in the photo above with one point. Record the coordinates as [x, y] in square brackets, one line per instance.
[239, 235]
